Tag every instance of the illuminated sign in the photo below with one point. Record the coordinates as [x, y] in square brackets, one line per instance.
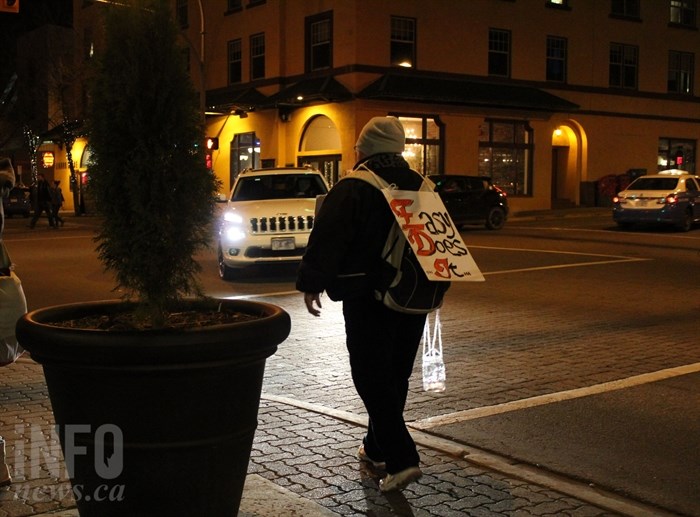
[47, 159]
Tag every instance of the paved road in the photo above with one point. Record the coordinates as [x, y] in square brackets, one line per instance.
[574, 361]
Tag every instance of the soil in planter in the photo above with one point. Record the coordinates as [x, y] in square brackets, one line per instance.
[174, 320]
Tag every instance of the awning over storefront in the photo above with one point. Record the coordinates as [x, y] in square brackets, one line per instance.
[310, 91]
[464, 92]
[226, 100]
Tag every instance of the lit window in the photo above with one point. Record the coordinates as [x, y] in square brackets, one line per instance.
[403, 42]
[245, 153]
[505, 155]
[424, 147]
[676, 153]
[683, 12]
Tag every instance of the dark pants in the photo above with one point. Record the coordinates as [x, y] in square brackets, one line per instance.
[42, 207]
[382, 345]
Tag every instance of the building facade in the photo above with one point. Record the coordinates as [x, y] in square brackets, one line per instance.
[544, 96]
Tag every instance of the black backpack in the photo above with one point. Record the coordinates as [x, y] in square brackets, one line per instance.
[403, 285]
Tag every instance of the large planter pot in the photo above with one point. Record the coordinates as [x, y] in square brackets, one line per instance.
[155, 422]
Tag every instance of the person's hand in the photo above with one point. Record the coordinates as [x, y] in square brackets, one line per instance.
[310, 299]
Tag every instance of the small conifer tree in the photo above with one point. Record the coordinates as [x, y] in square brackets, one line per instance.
[147, 174]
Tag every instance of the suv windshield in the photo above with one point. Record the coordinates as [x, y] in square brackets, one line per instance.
[654, 184]
[278, 186]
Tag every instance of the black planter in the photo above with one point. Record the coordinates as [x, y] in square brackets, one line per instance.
[183, 404]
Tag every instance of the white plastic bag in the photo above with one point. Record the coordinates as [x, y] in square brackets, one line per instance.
[433, 365]
[13, 305]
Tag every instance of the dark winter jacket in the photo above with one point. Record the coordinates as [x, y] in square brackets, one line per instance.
[343, 256]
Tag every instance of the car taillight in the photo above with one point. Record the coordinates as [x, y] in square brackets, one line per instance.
[500, 191]
[669, 200]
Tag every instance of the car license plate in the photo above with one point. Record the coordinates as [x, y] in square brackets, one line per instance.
[283, 243]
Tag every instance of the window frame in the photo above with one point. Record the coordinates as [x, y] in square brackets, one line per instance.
[398, 47]
[310, 23]
[680, 73]
[625, 9]
[623, 67]
[553, 60]
[685, 13]
[426, 143]
[522, 178]
[234, 62]
[494, 53]
[668, 148]
[243, 144]
[257, 56]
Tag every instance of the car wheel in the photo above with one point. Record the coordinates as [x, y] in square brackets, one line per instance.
[624, 225]
[225, 272]
[687, 223]
[496, 218]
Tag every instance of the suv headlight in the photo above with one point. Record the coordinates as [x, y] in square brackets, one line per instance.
[234, 233]
[233, 229]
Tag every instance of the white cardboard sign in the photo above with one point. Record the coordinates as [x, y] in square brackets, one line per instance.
[432, 234]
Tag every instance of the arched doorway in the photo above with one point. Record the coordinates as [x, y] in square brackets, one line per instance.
[320, 147]
[569, 167]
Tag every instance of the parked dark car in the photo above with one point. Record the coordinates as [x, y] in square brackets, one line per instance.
[18, 202]
[472, 200]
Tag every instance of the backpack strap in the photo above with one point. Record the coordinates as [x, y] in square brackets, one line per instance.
[366, 174]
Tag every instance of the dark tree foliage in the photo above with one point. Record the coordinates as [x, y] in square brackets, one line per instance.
[148, 175]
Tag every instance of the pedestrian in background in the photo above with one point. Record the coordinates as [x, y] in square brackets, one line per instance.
[43, 202]
[344, 258]
[56, 203]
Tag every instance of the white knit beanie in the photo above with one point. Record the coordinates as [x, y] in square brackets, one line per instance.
[381, 135]
[7, 173]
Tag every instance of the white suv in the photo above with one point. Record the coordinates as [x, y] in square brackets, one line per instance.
[268, 217]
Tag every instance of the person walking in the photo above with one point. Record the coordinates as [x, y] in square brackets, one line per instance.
[343, 258]
[56, 203]
[43, 202]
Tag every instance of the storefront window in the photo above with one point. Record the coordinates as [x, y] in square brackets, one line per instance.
[675, 153]
[245, 153]
[505, 155]
[424, 150]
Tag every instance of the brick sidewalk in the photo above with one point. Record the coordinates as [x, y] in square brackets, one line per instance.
[303, 452]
